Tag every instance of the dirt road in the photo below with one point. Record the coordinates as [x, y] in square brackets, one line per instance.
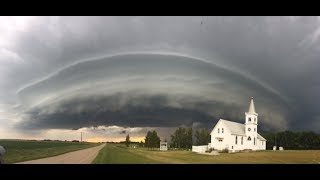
[84, 156]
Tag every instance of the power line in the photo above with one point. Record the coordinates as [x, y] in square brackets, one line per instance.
[81, 137]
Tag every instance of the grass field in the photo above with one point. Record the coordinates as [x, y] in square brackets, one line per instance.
[19, 150]
[118, 154]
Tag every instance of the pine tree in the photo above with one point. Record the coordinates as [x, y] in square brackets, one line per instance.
[128, 140]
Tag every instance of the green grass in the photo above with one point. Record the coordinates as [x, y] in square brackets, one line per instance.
[20, 150]
[112, 154]
[117, 154]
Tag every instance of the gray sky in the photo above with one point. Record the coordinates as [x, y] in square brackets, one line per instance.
[141, 73]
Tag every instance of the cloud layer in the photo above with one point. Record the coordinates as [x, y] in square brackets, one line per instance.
[73, 72]
[143, 90]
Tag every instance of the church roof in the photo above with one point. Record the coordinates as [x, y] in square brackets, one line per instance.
[237, 128]
[260, 137]
[252, 109]
[234, 127]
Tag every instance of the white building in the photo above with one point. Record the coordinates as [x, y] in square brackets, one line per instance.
[163, 146]
[236, 136]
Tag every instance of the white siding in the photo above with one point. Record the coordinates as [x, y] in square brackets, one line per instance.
[226, 139]
[220, 140]
[262, 145]
[200, 149]
[237, 146]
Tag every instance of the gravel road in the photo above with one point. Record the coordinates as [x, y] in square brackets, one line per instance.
[84, 156]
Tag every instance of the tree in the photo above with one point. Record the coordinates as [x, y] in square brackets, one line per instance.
[292, 140]
[202, 137]
[155, 140]
[152, 140]
[182, 138]
[148, 139]
[127, 140]
[141, 144]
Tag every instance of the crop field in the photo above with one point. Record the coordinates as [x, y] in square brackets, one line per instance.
[22, 150]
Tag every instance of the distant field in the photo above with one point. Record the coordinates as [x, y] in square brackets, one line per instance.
[19, 150]
[118, 154]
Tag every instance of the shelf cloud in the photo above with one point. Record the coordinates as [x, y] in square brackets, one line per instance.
[60, 73]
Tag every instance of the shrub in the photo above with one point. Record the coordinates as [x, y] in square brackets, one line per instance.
[209, 150]
[226, 150]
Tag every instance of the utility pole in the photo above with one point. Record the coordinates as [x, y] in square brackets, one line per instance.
[81, 138]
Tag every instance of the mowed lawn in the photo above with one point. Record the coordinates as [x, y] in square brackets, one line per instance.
[20, 150]
[118, 154]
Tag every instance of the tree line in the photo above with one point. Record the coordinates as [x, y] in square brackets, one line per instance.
[152, 141]
[303, 140]
[182, 138]
[292, 140]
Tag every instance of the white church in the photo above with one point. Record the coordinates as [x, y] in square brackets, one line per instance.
[236, 136]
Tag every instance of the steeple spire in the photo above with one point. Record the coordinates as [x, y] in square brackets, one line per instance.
[252, 110]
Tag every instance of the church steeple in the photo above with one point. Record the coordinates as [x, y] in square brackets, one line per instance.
[252, 110]
[251, 125]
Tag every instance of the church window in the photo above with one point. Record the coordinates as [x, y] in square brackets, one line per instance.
[242, 140]
[255, 119]
[249, 129]
[249, 119]
[231, 147]
[249, 138]
[254, 141]
[236, 139]
[254, 129]
[222, 130]
[218, 130]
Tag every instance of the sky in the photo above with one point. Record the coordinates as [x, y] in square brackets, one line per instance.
[112, 76]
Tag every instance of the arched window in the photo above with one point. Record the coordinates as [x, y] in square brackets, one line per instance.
[255, 119]
[218, 130]
[222, 130]
[254, 141]
[249, 138]
[236, 139]
[249, 119]
[241, 139]
[254, 129]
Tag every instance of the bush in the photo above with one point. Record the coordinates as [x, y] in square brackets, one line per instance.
[209, 150]
[226, 150]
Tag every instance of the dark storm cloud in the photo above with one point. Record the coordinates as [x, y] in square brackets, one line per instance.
[141, 111]
[95, 92]
[137, 111]
[181, 68]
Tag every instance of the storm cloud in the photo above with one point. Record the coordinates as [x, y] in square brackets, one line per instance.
[141, 72]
